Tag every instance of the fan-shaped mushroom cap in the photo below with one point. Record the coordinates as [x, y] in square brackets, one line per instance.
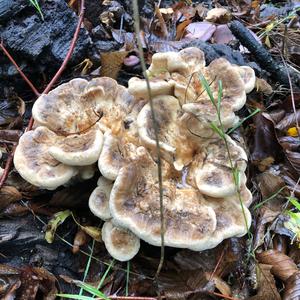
[99, 199]
[86, 172]
[178, 132]
[248, 76]
[192, 220]
[79, 149]
[121, 244]
[115, 154]
[233, 93]
[36, 165]
[182, 70]
[158, 86]
[75, 106]
[134, 204]
[211, 170]
[233, 219]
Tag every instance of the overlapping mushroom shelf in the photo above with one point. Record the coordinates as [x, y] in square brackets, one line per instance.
[83, 122]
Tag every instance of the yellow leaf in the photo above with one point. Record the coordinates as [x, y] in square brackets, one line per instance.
[267, 42]
[292, 132]
[92, 231]
[269, 27]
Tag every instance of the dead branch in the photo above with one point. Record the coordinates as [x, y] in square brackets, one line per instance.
[262, 56]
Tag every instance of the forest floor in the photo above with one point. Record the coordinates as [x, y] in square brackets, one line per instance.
[50, 241]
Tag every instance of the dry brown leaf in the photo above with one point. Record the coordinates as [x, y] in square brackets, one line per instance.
[266, 215]
[181, 28]
[9, 194]
[266, 146]
[288, 121]
[219, 283]
[80, 239]
[269, 184]
[180, 285]
[292, 287]
[266, 287]
[282, 266]
[263, 87]
[111, 63]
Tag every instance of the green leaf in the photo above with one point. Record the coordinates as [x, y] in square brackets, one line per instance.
[55, 221]
[294, 201]
[92, 290]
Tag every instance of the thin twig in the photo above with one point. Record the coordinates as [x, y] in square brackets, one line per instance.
[48, 88]
[155, 127]
[7, 166]
[30, 84]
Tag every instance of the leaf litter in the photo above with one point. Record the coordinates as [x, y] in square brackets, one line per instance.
[273, 144]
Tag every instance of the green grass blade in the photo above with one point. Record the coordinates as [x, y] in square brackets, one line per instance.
[269, 198]
[127, 278]
[220, 95]
[92, 290]
[207, 88]
[37, 7]
[86, 271]
[216, 129]
[105, 274]
[243, 120]
[70, 296]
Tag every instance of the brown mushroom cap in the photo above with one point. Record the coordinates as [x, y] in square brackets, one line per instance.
[99, 199]
[211, 170]
[79, 149]
[233, 219]
[248, 76]
[233, 91]
[134, 204]
[36, 165]
[115, 154]
[138, 87]
[120, 243]
[178, 132]
[77, 105]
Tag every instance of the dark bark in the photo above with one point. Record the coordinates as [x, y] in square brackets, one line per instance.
[262, 56]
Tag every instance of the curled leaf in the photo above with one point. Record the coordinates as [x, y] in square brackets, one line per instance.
[266, 284]
[9, 194]
[266, 147]
[93, 232]
[56, 220]
[288, 121]
[294, 159]
[282, 266]
[292, 287]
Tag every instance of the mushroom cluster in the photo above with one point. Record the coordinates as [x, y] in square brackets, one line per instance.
[81, 122]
